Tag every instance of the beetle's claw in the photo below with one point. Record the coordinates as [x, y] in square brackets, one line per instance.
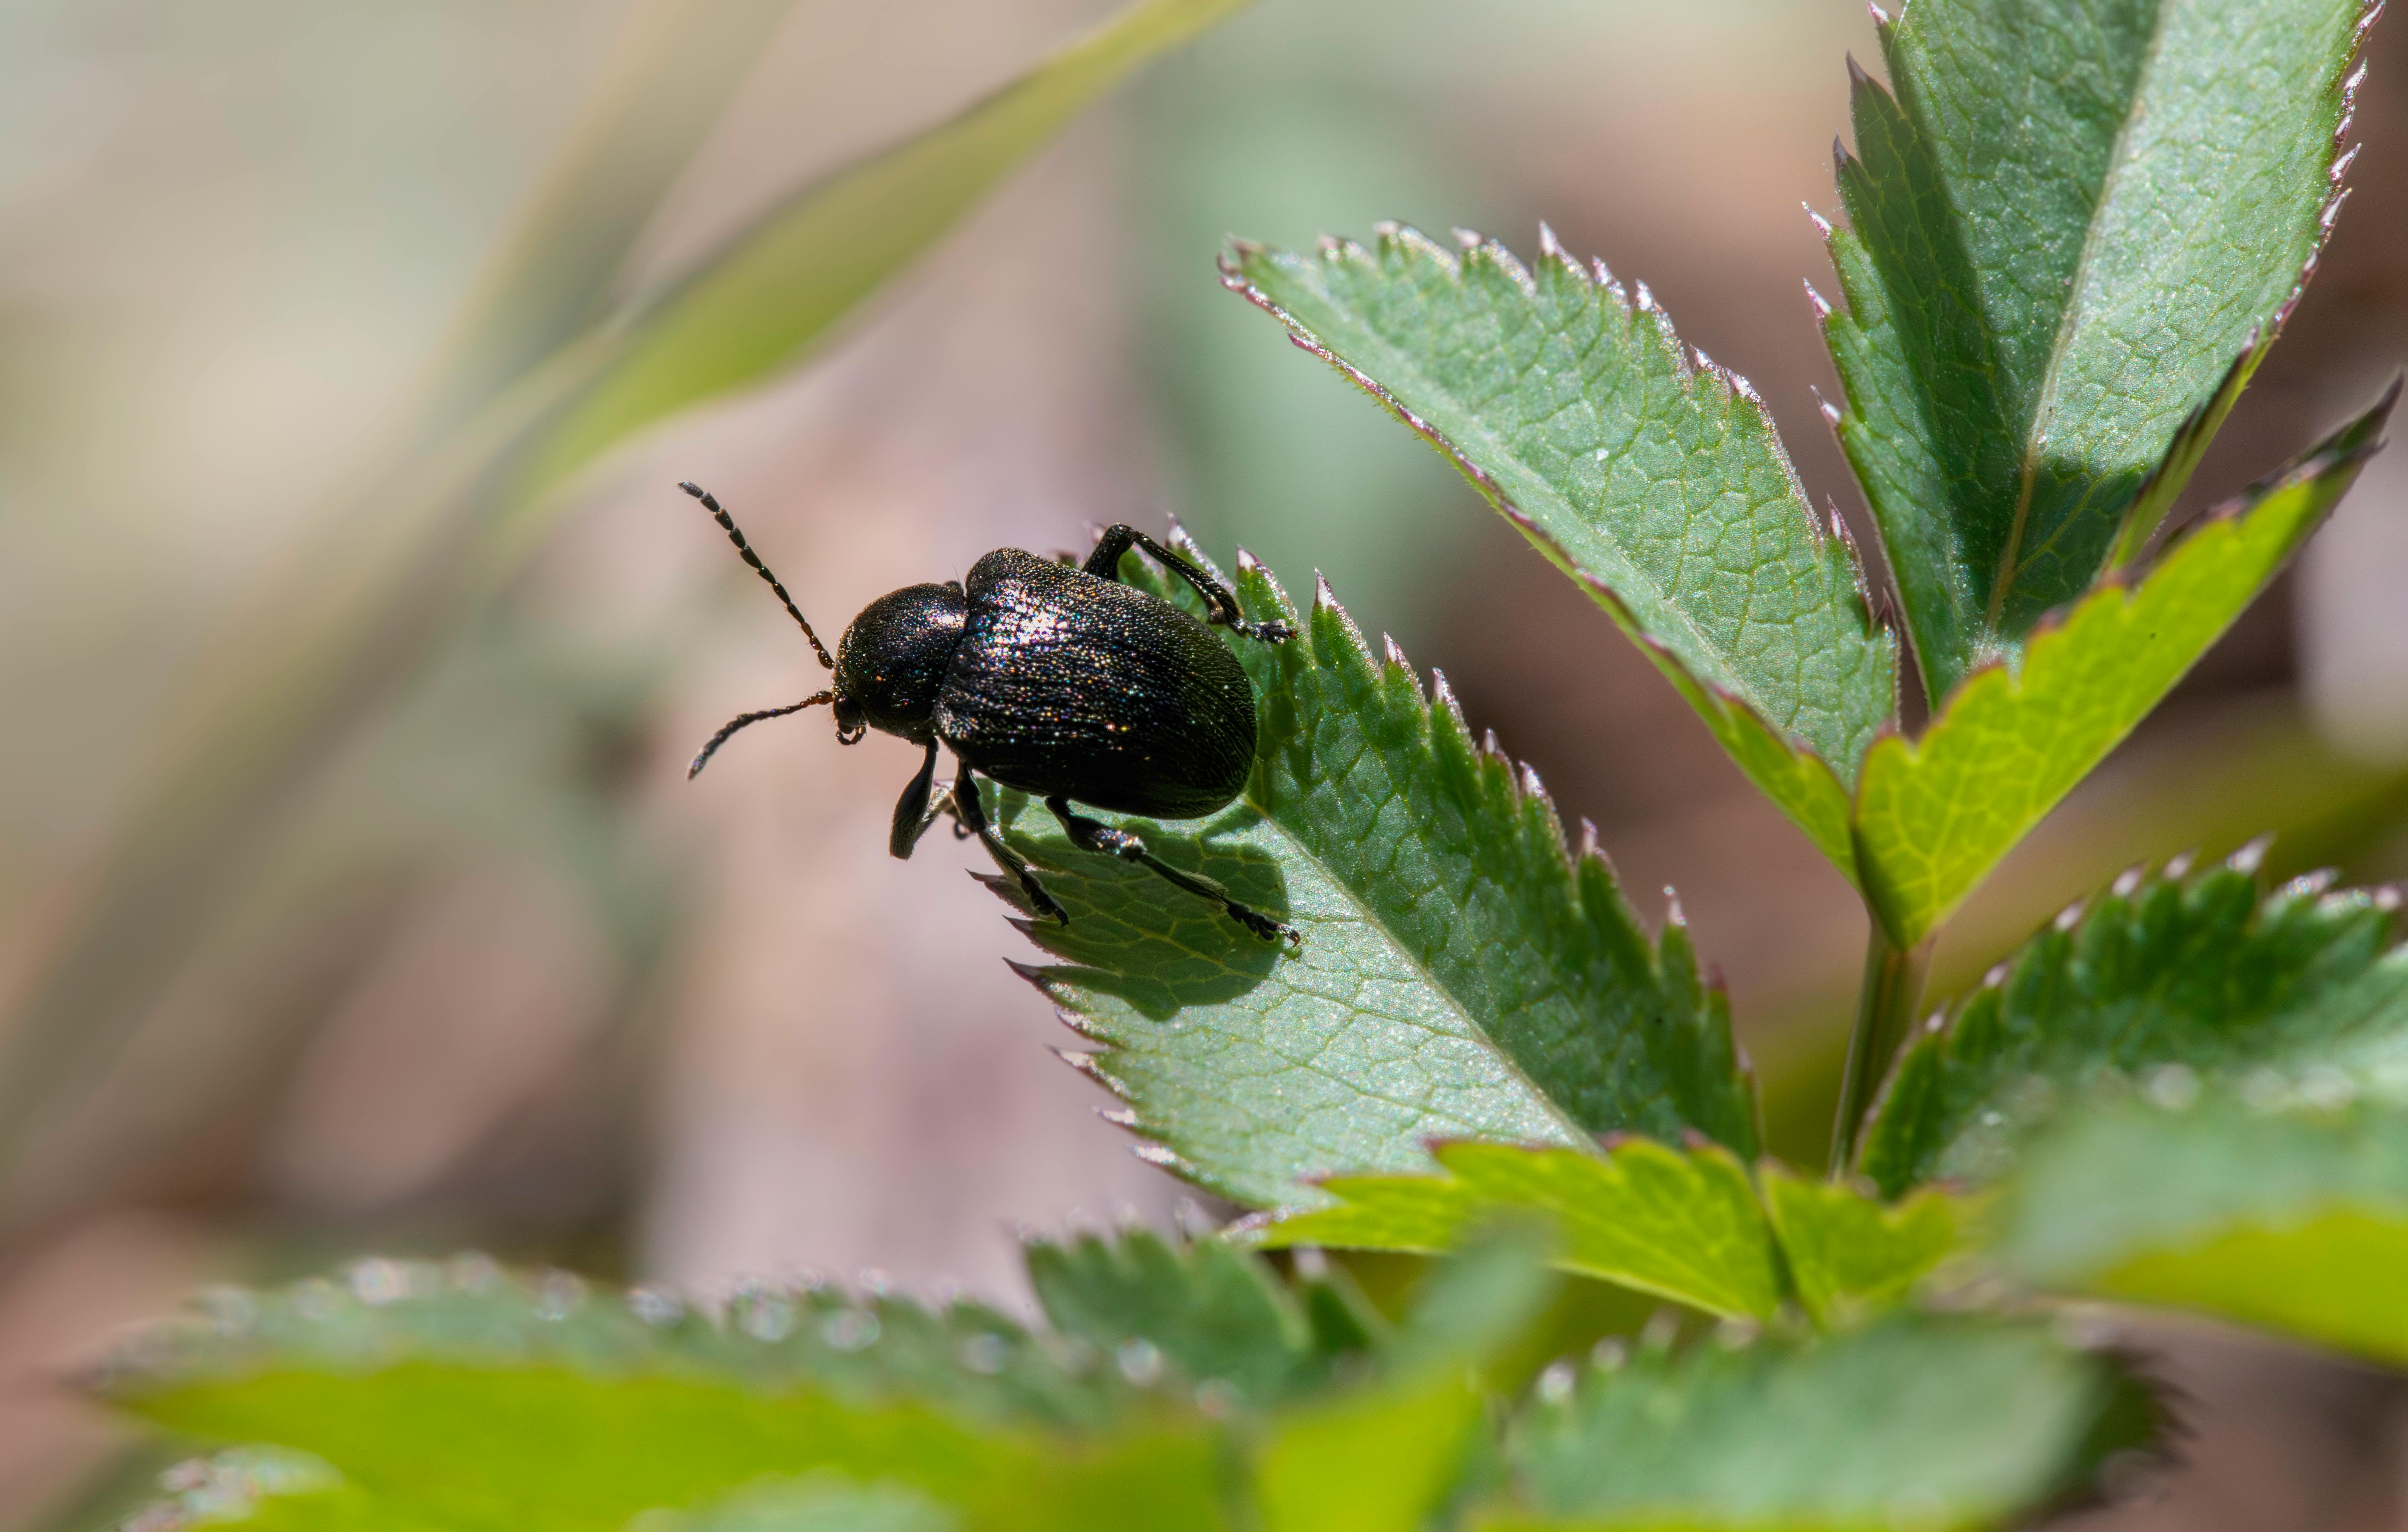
[1268, 633]
[1266, 927]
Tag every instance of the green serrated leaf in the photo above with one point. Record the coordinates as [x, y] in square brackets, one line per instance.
[1658, 484]
[981, 1365]
[1209, 1309]
[2066, 224]
[1684, 1224]
[2206, 978]
[2293, 1219]
[1934, 816]
[1461, 975]
[1847, 1253]
[1921, 1422]
[469, 1400]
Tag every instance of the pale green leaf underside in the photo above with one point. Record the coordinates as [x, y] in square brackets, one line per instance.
[2294, 1220]
[2209, 978]
[1950, 1424]
[1461, 974]
[2067, 221]
[1847, 1253]
[775, 291]
[1933, 816]
[1683, 1225]
[1657, 482]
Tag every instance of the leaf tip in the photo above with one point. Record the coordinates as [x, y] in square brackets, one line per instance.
[1164, 1158]
[1552, 248]
[1081, 1062]
[1605, 279]
[2251, 857]
[1822, 310]
[2127, 882]
[1442, 695]
[1822, 224]
[1674, 914]
[2179, 865]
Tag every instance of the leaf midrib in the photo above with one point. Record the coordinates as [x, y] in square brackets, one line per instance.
[2011, 563]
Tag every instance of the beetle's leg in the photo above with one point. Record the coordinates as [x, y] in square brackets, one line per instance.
[913, 812]
[1095, 836]
[1218, 598]
[973, 813]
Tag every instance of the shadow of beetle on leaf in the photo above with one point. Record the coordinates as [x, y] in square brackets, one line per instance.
[1135, 936]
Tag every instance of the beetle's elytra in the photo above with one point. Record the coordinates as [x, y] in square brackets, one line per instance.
[1058, 680]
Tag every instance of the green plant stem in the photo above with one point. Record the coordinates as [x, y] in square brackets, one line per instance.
[1886, 1008]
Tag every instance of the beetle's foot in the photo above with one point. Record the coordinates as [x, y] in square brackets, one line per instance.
[1264, 926]
[1042, 902]
[1265, 633]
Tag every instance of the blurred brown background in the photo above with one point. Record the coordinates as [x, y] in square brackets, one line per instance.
[504, 979]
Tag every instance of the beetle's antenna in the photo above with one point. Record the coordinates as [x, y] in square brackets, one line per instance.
[762, 569]
[746, 720]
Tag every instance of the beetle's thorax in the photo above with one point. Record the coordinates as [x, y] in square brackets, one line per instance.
[891, 661]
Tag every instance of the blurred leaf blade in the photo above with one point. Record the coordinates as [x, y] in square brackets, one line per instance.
[2065, 224]
[1681, 1225]
[269, 1489]
[1374, 1463]
[676, 63]
[820, 1502]
[768, 295]
[1933, 816]
[1968, 1423]
[1462, 974]
[468, 1398]
[1580, 416]
[2182, 982]
[2292, 1219]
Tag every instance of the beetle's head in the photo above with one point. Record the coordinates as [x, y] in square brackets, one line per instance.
[891, 662]
[889, 666]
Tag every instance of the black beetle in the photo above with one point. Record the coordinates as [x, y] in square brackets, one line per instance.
[1058, 680]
